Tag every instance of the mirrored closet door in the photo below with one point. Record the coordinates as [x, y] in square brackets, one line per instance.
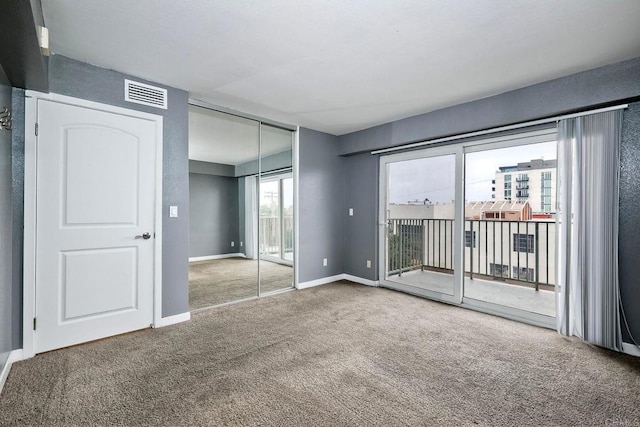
[276, 209]
[241, 208]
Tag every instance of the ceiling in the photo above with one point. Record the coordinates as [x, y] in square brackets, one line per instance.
[224, 138]
[339, 66]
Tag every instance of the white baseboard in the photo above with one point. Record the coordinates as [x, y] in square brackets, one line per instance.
[360, 280]
[14, 356]
[172, 320]
[335, 278]
[319, 282]
[631, 349]
[221, 256]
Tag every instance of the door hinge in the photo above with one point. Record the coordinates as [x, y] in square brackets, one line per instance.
[34, 323]
[36, 129]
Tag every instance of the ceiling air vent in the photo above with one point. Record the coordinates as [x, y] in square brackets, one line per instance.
[144, 94]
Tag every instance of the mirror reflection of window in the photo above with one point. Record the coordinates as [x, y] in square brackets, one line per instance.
[276, 209]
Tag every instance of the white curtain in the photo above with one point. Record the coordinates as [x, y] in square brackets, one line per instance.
[250, 216]
[588, 181]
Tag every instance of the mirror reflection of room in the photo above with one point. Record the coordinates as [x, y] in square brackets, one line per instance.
[241, 208]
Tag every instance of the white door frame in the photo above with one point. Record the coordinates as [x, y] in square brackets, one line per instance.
[456, 296]
[30, 214]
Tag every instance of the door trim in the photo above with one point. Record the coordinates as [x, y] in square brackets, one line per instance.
[458, 236]
[30, 206]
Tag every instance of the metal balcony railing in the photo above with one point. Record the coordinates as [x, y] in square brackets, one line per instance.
[511, 251]
[276, 235]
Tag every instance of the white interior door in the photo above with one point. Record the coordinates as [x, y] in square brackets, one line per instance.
[96, 190]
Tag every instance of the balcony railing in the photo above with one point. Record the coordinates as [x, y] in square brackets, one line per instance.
[516, 252]
[271, 234]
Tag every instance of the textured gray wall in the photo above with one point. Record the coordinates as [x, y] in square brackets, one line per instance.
[213, 215]
[6, 227]
[575, 92]
[17, 200]
[321, 212]
[361, 231]
[81, 80]
[629, 240]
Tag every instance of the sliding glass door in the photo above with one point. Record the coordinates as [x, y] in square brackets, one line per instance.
[510, 238]
[474, 224]
[419, 223]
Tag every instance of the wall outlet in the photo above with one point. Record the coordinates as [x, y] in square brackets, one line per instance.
[240, 244]
[233, 244]
[368, 263]
[324, 262]
[350, 211]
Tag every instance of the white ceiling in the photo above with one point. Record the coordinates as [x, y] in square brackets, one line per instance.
[339, 66]
[224, 138]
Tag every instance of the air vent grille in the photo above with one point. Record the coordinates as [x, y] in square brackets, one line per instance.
[144, 94]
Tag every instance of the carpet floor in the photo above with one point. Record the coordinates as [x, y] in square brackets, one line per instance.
[339, 354]
[224, 280]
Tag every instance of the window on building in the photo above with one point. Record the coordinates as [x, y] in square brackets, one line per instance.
[523, 273]
[545, 191]
[499, 270]
[467, 239]
[523, 243]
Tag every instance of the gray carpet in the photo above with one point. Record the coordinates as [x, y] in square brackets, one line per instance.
[224, 280]
[339, 354]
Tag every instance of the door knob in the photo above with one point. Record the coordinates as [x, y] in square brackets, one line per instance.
[145, 236]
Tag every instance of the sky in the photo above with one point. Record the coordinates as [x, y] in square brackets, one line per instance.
[433, 178]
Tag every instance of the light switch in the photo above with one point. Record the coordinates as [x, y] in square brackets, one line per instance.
[173, 211]
[350, 211]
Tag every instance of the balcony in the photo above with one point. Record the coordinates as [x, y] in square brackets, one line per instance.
[510, 263]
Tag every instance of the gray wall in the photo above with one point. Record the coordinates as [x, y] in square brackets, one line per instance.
[575, 92]
[213, 215]
[6, 230]
[361, 232]
[17, 200]
[81, 80]
[321, 213]
[629, 240]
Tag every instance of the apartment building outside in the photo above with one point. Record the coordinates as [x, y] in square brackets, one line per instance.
[533, 181]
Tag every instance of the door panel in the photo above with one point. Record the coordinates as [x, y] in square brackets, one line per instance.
[420, 225]
[94, 191]
[95, 201]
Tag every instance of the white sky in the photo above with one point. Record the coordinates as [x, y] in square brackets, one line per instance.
[433, 178]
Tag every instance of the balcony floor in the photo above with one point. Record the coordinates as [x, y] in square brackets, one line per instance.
[505, 294]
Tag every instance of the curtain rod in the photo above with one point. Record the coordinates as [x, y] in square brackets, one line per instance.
[499, 129]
